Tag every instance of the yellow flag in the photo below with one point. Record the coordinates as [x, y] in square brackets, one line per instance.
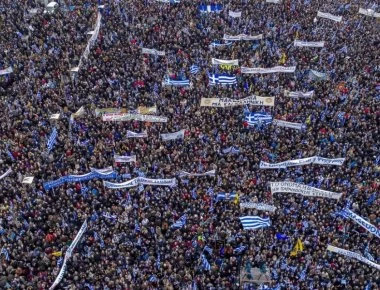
[308, 120]
[297, 248]
[299, 245]
[236, 199]
[283, 58]
[297, 35]
[57, 254]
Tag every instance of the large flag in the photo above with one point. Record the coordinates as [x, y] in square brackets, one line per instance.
[258, 118]
[222, 79]
[180, 223]
[254, 222]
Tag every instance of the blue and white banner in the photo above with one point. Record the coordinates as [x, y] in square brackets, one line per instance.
[141, 180]
[259, 206]
[222, 79]
[227, 102]
[152, 51]
[173, 136]
[216, 61]
[329, 16]
[52, 139]
[260, 70]
[298, 94]
[242, 37]
[258, 119]
[303, 161]
[68, 255]
[234, 14]
[299, 43]
[131, 134]
[352, 255]
[9, 171]
[281, 123]
[107, 170]
[218, 44]
[208, 173]
[124, 159]
[136, 117]
[302, 189]
[369, 12]
[6, 71]
[97, 173]
[210, 8]
[176, 83]
[360, 221]
[254, 222]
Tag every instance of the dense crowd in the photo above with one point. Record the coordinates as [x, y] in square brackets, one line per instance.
[130, 241]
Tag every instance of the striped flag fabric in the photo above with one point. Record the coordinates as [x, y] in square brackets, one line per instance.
[225, 196]
[258, 118]
[177, 83]
[254, 222]
[52, 139]
[153, 278]
[180, 223]
[205, 264]
[240, 249]
[207, 249]
[194, 69]
[222, 79]
[59, 262]
[210, 8]
[5, 252]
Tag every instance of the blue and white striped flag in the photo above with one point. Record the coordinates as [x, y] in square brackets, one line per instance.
[177, 83]
[10, 155]
[5, 252]
[218, 44]
[194, 69]
[137, 227]
[98, 238]
[180, 223]
[59, 262]
[222, 79]
[367, 254]
[205, 264]
[207, 249]
[258, 118]
[240, 249]
[224, 196]
[52, 139]
[153, 278]
[83, 189]
[254, 222]
[210, 8]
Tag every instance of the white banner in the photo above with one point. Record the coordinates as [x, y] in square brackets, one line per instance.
[298, 94]
[107, 170]
[242, 37]
[131, 134]
[329, 16]
[208, 173]
[99, 111]
[281, 123]
[141, 180]
[273, 1]
[234, 14]
[276, 69]
[9, 171]
[303, 161]
[173, 136]
[352, 255]
[309, 43]
[78, 113]
[224, 61]
[226, 102]
[68, 255]
[259, 206]
[124, 159]
[6, 71]
[359, 220]
[137, 117]
[305, 190]
[146, 110]
[152, 51]
[369, 12]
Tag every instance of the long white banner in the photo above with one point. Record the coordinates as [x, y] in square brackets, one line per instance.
[208, 173]
[141, 180]
[68, 255]
[329, 16]
[152, 51]
[242, 37]
[281, 123]
[124, 159]
[303, 161]
[300, 43]
[137, 117]
[9, 171]
[99, 111]
[259, 206]
[298, 94]
[273, 1]
[305, 190]
[131, 134]
[234, 14]
[6, 71]
[369, 12]
[172, 136]
[227, 102]
[216, 61]
[276, 69]
[352, 255]
[359, 220]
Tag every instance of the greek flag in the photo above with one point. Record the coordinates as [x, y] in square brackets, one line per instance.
[98, 238]
[137, 227]
[258, 118]
[59, 262]
[208, 250]
[224, 196]
[254, 222]
[205, 264]
[218, 44]
[83, 189]
[5, 252]
[194, 69]
[367, 254]
[52, 139]
[210, 8]
[153, 278]
[240, 249]
[177, 83]
[180, 223]
[222, 79]
[10, 155]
